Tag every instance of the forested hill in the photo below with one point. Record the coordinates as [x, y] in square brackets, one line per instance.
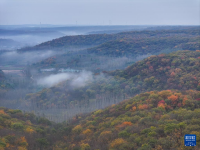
[76, 41]
[97, 39]
[24, 131]
[149, 121]
[116, 51]
[147, 45]
[177, 70]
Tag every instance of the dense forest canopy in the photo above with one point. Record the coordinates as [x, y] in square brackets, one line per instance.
[152, 120]
[133, 90]
[106, 52]
[97, 39]
[177, 70]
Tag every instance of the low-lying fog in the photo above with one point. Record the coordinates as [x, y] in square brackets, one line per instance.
[30, 35]
[77, 79]
[22, 59]
[78, 59]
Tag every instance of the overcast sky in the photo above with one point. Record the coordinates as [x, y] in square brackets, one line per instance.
[100, 12]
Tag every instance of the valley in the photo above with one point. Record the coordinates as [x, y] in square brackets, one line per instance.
[111, 87]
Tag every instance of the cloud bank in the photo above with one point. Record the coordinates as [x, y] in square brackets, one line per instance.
[76, 79]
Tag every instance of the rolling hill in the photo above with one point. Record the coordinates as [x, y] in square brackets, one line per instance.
[23, 131]
[97, 39]
[150, 45]
[149, 121]
[177, 70]
[149, 105]
[115, 51]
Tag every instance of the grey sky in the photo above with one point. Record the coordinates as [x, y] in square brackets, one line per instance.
[101, 12]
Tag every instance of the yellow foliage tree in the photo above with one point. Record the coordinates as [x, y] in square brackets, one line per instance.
[85, 146]
[29, 130]
[105, 133]
[117, 142]
[87, 132]
[77, 129]
[165, 94]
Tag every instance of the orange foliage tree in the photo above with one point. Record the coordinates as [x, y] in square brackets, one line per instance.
[134, 108]
[173, 98]
[144, 106]
[124, 124]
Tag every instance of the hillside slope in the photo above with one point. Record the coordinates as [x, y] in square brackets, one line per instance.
[73, 41]
[24, 131]
[108, 52]
[97, 39]
[147, 45]
[178, 70]
[149, 121]
[156, 120]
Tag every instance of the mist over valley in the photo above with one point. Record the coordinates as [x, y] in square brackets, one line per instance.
[82, 60]
[79, 81]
